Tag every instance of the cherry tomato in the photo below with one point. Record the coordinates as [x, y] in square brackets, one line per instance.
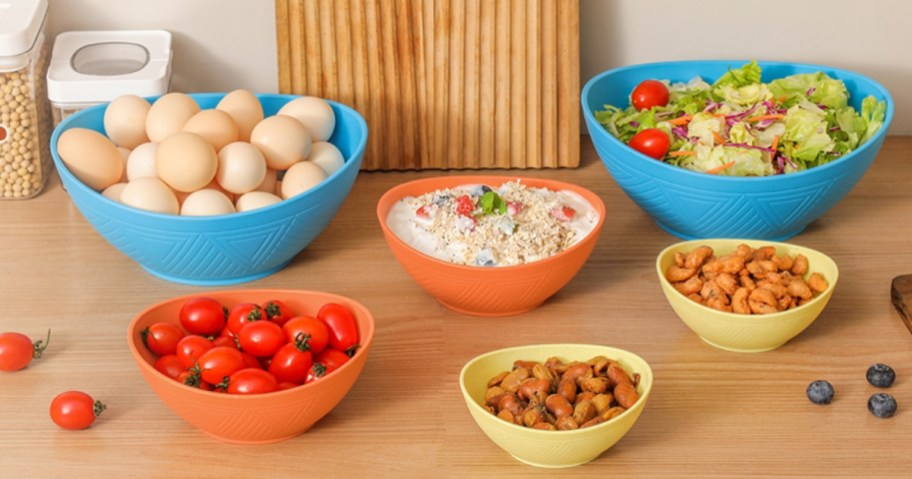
[75, 410]
[651, 142]
[251, 361]
[219, 363]
[261, 338]
[318, 371]
[343, 329]
[277, 311]
[291, 363]
[192, 379]
[252, 381]
[203, 315]
[648, 94]
[190, 348]
[331, 357]
[169, 365]
[162, 338]
[229, 341]
[315, 331]
[244, 313]
[17, 350]
[287, 385]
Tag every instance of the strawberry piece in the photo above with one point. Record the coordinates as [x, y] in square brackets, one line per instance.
[423, 212]
[464, 205]
[563, 213]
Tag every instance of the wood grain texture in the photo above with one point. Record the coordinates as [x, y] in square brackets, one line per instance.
[443, 84]
[711, 413]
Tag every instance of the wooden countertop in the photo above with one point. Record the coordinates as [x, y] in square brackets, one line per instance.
[711, 412]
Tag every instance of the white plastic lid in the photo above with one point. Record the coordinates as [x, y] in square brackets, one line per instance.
[99, 66]
[20, 24]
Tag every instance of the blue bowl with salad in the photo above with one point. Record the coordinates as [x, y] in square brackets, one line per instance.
[736, 149]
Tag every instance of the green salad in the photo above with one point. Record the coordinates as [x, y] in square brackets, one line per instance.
[740, 126]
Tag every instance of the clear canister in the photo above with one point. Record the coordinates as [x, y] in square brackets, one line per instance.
[25, 120]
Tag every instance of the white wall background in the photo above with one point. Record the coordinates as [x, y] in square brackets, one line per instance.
[221, 45]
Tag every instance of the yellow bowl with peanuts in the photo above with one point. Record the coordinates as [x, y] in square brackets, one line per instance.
[553, 448]
[746, 295]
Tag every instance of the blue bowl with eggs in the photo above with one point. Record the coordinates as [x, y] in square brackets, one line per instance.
[223, 249]
[695, 205]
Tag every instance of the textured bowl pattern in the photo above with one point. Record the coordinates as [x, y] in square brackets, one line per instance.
[694, 205]
[739, 332]
[551, 449]
[224, 249]
[488, 291]
[261, 418]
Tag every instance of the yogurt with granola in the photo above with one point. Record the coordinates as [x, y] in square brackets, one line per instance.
[478, 225]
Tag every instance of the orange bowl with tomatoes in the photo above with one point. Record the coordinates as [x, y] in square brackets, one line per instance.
[252, 366]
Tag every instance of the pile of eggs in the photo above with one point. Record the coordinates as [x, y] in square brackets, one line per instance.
[173, 157]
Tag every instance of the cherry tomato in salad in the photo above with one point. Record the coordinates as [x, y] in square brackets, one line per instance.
[162, 338]
[169, 365]
[343, 329]
[277, 311]
[315, 331]
[649, 93]
[332, 358]
[203, 315]
[252, 381]
[292, 363]
[261, 338]
[17, 350]
[651, 142]
[244, 313]
[190, 348]
[317, 372]
[75, 410]
[219, 363]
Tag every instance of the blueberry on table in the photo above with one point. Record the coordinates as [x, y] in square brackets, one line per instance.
[882, 405]
[820, 392]
[881, 375]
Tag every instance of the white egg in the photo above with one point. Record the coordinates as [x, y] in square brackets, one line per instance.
[206, 202]
[151, 194]
[141, 162]
[314, 113]
[325, 155]
[256, 199]
[301, 177]
[114, 191]
[242, 167]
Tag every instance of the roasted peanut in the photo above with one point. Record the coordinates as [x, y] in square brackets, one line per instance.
[817, 283]
[584, 396]
[691, 286]
[727, 283]
[697, 257]
[509, 402]
[547, 426]
[495, 381]
[566, 423]
[592, 422]
[523, 364]
[493, 394]
[558, 405]
[533, 389]
[764, 253]
[506, 415]
[762, 301]
[539, 371]
[533, 415]
[739, 301]
[800, 289]
[612, 413]
[567, 389]
[618, 375]
[800, 266]
[512, 380]
[676, 273]
[577, 371]
[626, 395]
[584, 411]
[595, 385]
[679, 259]
[602, 401]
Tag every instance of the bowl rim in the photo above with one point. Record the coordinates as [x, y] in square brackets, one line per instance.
[589, 115]
[647, 388]
[62, 169]
[745, 318]
[367, 340]
[394, 194]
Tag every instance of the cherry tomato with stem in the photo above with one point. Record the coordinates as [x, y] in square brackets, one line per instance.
[162, 338]
[203, 315]
[219, 363]
[17, 350]
[317, 372]
[252, 381]
[169, 365]
[190, 348]
[651, 142]
[75, 410]
[244, 313]
[649, 93]
[277, 311]
[193, 380]
[343, 329]
[331, 357]
[261, 338]
[317, 332]
[292, 362]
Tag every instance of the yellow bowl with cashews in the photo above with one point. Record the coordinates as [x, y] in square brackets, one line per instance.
[702, 308]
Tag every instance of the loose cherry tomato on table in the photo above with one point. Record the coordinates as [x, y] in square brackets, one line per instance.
[649, 93]
[343, 329]
[261, 338]
[242, 314]
[332, 358]
[203, 315]
[17, 350]
[316, 332]
[162, 338]
[277, 311]
[219, 363]
[651, 142]
[190, 348]
[169, 365]
[252, 381]
[75, 410]
[292, 362]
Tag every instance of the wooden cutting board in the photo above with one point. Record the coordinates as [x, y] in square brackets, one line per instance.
[443, 84]
[901, 294]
